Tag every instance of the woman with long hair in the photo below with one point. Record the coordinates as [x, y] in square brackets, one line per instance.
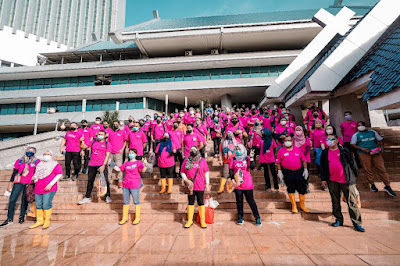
[227, 151]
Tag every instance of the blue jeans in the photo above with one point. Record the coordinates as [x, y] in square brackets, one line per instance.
[44, 201]
[16, 191]
[127, 192]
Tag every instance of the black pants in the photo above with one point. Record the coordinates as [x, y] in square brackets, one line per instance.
[271, 167]
[203, 151]
[74, 157]
[294, 180]
[167, 172]
[354, 151]
[16, 191]
[86, 159]
[250, 200]
[335, 190]
[155, 144]
[200, 198]
[216, 142]
[256, 150]
[178, 156]
[92, 176]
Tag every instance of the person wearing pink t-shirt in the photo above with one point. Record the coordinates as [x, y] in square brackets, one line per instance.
[201, 130]
[312, 115]
[190, 118]
[191, 139]
[238, 131]
[130, 125]
[137, 140]
[85, 153]
[339, 173]
[292, 168]
[166, 163]
[317, 134]
[157, 132]
[281, 131]
[96, 127]
[47, 174]
[216, 129]
[267, 159]
[24, 169]
[72, 142]
[348, 129]
[117, 139]
[255, 133]
[131, 185]
[329, 130]
[196, 176]
[106, 127]
[266, 122]
[101, 150]
[240, 178]
[301, 141]
[176, 136]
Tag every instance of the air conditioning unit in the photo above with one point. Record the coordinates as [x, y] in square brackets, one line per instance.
[189, 53]
[51, 110]
[214, 51]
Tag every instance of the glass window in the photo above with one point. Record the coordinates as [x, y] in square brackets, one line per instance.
[139, 103]
[43, 108]
[282, 68]
[23, 85]
[264, 71]
[71, 106]
[2, 85]
[141, 78]
[236, 73]
[225, 73]
[30, 108]
[132, 78]
[187, 75]
[11, 109]
[11, 85]
[78, 106]
[34, 84]
[4, 109]
[47, 83]
[214, 73]
[132, 103]
[123, 79]
[73, 82]
[96, 105]
[89, 106]
[255, 72]
[86, 81]
[273, 71]
[178, 75]
[20, 109]
[201, 74]
[152, 77]
[245, 72]
[62, 106]
[112, 105]
[115, 79]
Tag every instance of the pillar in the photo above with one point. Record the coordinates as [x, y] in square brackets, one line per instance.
[226, 100]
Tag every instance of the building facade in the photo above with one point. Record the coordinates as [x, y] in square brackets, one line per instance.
[68, 22]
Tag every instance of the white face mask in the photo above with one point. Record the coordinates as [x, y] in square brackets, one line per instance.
[283, 123]
[97, 122]
[361, 128]
[330, 143]
[46, 158]
[329, 131]
[191, 112]
[288, 143]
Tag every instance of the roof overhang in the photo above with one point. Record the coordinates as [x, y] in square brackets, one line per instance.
[384, 101]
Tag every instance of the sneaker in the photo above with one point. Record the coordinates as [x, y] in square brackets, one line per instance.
[258, 222]
[21, 220]
[269, 190]
[359, 228]
[108, 200]
[84, 171]
[6, 222]
[85, 200]
[65, 178]
[75, 177]
[240, 222]
[374, 188]
[337, 224]
[389, 190]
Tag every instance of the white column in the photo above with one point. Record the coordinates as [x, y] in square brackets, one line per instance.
[83, 108]
[116, 106]
[37, 109]
[185, 102]
[166, 104]
[144, 103]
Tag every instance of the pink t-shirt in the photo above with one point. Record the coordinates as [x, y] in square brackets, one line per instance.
[146, 127]
[335, 167]
[200, 135]
[132, 170]
[73, 141]
[108, 131]
[190, 119]
[290, 159]
[136, 141]
[305, 149]
[165, 159]
[348, 129]
[41, 184]
[31, 171]
[214, 129]
[199, 183]
[280, 129]
[86, 132]
[127, 128]
[316, 136]
[117, 140]
[95, 128]
[267, 123]
[255, 139]
[176, 138]
[253, 118]
[190, 140]
[245, 167]
[99, 152]
[243, 120]
[268, 156]
[169, 124]
[158, 131]
[233, 129]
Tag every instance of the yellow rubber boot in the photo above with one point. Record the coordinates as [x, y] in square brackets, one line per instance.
[39, 219]
[32, 212]
[222, 185]
[47, 217]
[293, 201]
[170, 184]
[302, 203]
[137, 214]
[163, 186]
[125, 214]
[190, 210]
[202, 212]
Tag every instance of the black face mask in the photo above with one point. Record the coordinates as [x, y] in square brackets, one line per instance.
[253, 112]
[73, 128]
[158, 121]
[175, 126]
[83, 126]
[130, 120]
[194, 153]
[165, 139]
[116, 126]
[235, 121]
[105, 126]
[315, 115]
[141, 124]
[190, 131]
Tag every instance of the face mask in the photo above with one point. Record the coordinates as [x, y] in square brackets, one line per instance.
[229, 136]
[97, 122]
[283, 112]
[329, 131]
[166, 138]
[100, 137]
[73, 128]
[171, 116]
[141, 124]
[256, 124]
[155, 117]
[83, 126]
[266, 115]
[46, 158]
[288, 144]
[330, 143]
[132, 156]
[315, 115]
[175, 126]
[216, 119]
[253, 112]
[194, 153]
[283, 123]
[239, 153]
[105, 126]
[135, 129]
[361, 128]
[191, 112]
[299, 133]
[29, 154]
[347, 117]
[158, 121]
[190, 131]
[116, 126]
[148, 119]
[216, 113]
[235, 121]
[198, 122]
[130, 120]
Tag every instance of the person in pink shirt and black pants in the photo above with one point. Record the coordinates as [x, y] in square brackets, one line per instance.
[166, 162]
[348, 129]
[72, 141]
[176, 136]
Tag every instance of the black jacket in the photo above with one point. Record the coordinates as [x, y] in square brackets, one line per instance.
[348, 162]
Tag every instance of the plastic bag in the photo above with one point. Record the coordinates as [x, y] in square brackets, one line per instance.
[152, 158]
[102, 184]
[149, 168]
[210, 202]
[209, 215]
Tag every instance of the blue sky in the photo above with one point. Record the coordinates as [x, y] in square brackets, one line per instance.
[138, 11]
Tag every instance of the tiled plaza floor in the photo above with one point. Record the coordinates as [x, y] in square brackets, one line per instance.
[167, 243]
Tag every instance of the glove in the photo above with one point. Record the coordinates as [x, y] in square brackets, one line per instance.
[305, 174]
[280, 174]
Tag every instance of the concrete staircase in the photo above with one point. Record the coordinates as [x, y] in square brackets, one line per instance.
[272, 206]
